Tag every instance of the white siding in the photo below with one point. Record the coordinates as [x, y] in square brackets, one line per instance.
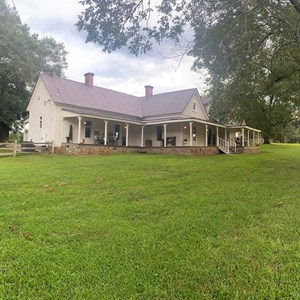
[150, 133]
[199, 111]
[42, 111]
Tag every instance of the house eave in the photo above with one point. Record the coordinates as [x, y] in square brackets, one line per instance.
[232, 126]
[101, 114]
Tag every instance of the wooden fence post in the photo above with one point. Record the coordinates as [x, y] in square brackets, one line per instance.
[52, 147]
[15, 148]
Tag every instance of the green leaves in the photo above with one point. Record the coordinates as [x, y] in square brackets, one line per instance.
[252, 54]
[22, 57]
[115, 24]
[250, 48]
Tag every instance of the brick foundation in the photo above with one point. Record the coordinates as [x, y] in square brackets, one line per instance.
[74, 149]
[249, 150]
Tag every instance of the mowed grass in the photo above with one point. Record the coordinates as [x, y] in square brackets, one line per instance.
[142, 226]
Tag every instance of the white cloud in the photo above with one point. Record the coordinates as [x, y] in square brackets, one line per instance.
[119, 71]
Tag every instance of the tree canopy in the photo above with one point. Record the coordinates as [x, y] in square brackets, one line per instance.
[22, 56]
[249, 47]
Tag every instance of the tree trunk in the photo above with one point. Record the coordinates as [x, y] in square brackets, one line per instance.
[266, 140]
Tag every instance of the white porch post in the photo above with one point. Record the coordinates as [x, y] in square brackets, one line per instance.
[191, 133]
[225, 134]
[253, 140]
[142, 137]
[127, 134]
[105, 132]
[248, 138]
[206, 137]
[165, 135]
[217, 136]
[243, 137]
[63, 130]
[79, 130]
[211, 137]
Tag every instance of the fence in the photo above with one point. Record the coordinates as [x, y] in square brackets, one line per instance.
[13, 149]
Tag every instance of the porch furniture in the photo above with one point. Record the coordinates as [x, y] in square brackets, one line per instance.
[170, 140]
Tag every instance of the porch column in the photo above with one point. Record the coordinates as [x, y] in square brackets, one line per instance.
[79, 130]
[165, 135]
[248, 138]
[142, 137]
[63, 139]
[127, 134]
[253, 139]
[217, 142]
[191, 133]
[243, 137]
[225, 129]
[105, 132]
[206, 137]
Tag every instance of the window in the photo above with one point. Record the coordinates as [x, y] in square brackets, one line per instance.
[117, 131]
[194, 134]
[41, 122]
[88, 129]
[194, 106]
[159, 133]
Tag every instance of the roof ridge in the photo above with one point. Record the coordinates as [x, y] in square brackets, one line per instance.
[82, 83]
[171, 92]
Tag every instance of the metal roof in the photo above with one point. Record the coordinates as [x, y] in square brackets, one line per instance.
[69, 92]
[166, 103]
[78, 94]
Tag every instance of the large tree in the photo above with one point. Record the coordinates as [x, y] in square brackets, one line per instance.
[250, 48]
[22, 57]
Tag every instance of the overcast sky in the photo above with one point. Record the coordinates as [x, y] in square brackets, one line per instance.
[118, 71]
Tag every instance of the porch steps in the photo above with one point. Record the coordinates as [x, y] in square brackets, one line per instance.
[227, 146]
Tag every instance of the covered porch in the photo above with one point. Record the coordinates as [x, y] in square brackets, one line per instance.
[88, 129]
[85, 129]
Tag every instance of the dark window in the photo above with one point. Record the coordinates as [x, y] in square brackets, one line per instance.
[41, 122]
[117, 131]
[159, 133]
[88, 129]
[194, 106]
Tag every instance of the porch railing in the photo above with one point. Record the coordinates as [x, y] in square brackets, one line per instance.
[232, 145]
[226, 145]
[223, 145]
[254, 142]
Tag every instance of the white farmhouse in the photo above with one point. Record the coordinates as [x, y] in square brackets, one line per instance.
[70, 112]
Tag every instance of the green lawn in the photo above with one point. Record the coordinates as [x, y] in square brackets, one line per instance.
[151, 227]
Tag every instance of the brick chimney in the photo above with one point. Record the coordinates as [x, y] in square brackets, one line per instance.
[89, 79]
[148, 91]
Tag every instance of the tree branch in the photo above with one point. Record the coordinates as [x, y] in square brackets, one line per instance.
[296, 4]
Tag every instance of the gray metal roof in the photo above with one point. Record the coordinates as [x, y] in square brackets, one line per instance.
[166, 103]
[69, 92]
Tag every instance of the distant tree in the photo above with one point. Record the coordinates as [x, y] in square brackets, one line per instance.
[52, 56]
[250, 48]
[22, 57]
